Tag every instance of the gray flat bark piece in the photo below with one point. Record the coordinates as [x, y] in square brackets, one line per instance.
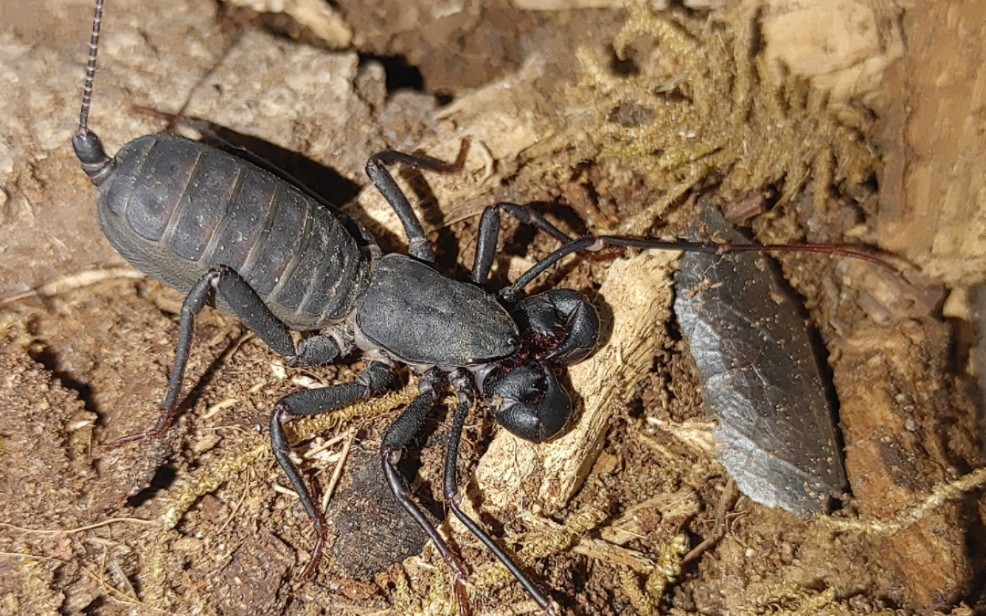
[760, 377]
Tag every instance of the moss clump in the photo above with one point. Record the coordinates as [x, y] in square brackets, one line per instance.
[690, 101]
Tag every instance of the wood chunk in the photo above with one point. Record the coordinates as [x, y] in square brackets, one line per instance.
[932, 185]
[842, 47]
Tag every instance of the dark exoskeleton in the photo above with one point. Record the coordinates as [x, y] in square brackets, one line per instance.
[220, 229]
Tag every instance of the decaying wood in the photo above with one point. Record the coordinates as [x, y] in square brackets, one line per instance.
[904, 433]
[841, 47]
[932, 186]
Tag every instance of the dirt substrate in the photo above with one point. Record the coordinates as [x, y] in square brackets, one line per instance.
[626, 121]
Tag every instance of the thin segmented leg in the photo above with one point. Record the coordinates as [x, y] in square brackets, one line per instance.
[418, 245]
[398, 436]
[489, 234]
[372, 381]
[247, 305]
[466, 392]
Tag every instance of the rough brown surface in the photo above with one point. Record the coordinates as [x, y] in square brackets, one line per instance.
[934, 133]
[604, 119]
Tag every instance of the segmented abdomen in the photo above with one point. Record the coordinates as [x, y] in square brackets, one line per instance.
[175, 208]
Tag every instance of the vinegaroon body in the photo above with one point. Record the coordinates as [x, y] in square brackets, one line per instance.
[220, 229]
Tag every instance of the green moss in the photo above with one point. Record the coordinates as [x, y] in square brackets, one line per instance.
[692, 102]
